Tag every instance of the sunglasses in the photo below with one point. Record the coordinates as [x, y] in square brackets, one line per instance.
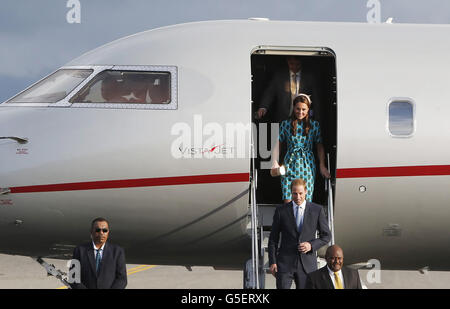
[101, 230]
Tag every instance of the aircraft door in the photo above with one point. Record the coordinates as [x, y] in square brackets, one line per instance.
[318, 67]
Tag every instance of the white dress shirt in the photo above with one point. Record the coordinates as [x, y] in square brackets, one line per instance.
[331, 273]
[101, 250]
[297, 86]
[297, 81]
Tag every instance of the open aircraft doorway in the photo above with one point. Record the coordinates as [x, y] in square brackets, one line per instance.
[319, 66]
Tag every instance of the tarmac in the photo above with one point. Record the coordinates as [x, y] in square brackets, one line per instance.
[20, 272]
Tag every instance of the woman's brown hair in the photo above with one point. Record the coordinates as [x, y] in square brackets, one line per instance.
[301, 98]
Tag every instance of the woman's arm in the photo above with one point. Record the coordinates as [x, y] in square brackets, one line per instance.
[321, 154]
[276, 155]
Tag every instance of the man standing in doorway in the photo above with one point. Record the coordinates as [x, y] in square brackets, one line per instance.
[297, 223]
[102, 263]
[285, 86]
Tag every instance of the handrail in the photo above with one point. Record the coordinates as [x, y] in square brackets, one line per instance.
[330, 211]
[255, 251]
[330, 205]
[254, 216]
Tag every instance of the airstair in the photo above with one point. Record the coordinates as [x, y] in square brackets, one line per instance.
[260, 218]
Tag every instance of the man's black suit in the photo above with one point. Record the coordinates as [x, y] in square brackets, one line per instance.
[112, 273]
[287, 257]
[320, 279]
[278, 99]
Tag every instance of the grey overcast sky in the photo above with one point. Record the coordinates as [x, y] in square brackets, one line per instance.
[35, 37]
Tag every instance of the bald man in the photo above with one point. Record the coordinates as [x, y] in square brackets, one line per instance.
[334, 275]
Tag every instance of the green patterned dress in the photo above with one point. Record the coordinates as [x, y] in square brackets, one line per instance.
[299, 159]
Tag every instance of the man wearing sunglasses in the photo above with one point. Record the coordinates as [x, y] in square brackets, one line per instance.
[102, 263]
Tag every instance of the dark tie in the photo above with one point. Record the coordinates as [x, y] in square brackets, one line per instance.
[98, 259]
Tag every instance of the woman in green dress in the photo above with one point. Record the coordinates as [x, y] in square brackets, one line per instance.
[301, 134]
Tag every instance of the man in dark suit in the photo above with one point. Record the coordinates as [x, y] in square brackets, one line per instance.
[285, 86]
[297, 223]
[334, 275]
[102, 263]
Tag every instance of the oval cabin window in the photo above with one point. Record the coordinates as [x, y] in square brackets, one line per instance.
[401, 118]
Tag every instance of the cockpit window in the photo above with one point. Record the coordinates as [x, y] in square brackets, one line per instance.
[134, 87]
[53, 88]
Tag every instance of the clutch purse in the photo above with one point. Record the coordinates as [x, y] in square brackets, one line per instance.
[279, 171]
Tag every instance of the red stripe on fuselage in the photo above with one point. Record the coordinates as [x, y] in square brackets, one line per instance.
[133, 183]
[395, 171]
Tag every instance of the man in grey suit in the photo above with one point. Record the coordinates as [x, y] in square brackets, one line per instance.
[285, 86]
[334, 275]
[102, 263]
[297, 223]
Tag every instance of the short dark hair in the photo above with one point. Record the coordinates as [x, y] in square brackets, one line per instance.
[99, 219]
[293, 58]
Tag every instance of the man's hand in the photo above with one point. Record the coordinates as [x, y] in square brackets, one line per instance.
[304, 247]
[260, 113]
[273, 269]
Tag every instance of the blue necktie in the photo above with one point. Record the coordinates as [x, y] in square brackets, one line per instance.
[98, 259]
[299, 220]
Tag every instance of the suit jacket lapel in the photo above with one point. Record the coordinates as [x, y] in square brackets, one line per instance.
[306, 218]
[291, 216]
[346, 274]
[91, 258]
[105, 257]
[326, 278]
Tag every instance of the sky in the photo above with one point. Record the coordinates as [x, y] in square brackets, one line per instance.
[39, 36]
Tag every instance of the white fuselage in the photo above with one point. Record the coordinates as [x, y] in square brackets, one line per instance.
[85, 162]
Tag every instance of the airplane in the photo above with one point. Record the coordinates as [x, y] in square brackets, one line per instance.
[176, 159]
